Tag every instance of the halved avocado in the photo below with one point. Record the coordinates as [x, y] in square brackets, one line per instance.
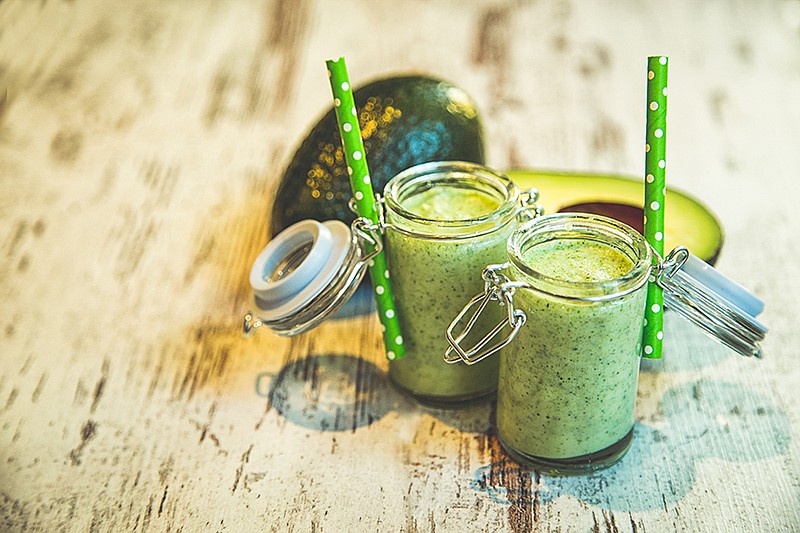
[687, 222]
[404, 121]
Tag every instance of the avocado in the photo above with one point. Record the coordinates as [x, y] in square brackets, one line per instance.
[404, 121]
[687, 222]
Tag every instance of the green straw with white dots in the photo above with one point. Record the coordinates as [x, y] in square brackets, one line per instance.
[654, 192]
[347, 116]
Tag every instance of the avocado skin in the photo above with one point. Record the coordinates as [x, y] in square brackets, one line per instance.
[404, 121]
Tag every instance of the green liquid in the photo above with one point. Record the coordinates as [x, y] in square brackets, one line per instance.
[450, 203]
[577, 260]
[432, 281]
[568, 381]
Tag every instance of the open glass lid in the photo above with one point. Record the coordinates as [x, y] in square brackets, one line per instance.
[722, 308]
[307, 273]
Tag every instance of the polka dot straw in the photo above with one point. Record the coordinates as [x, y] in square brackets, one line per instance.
[347, 116]
[654, 192]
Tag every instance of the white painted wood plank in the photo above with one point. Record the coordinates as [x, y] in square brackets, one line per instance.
[139, 148]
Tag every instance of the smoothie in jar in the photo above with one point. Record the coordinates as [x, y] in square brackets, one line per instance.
[444, 225]
[568, 380]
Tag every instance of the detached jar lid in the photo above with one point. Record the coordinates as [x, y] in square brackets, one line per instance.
[306, 274]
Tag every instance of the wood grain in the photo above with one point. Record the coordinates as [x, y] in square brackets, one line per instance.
[140, 145]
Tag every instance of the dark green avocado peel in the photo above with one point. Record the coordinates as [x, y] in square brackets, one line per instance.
[404, 121]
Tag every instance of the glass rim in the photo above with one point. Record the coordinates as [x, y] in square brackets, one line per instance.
[466, 175]
[586, 226]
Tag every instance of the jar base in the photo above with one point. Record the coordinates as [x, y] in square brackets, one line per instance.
[573, 466]
[445, 402]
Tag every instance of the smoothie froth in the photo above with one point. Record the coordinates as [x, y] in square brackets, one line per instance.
[450, 203]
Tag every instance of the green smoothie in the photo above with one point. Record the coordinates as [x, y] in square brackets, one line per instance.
[432, 279]
[568, 381]
[450, 203]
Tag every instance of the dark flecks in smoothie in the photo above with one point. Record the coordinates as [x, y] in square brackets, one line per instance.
[568, 381]
[432, 281]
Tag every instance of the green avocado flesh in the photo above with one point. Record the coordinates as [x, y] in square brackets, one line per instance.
[686, 221]
[404, 121]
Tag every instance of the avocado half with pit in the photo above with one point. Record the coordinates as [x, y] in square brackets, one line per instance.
[687, 222]
[404, 121]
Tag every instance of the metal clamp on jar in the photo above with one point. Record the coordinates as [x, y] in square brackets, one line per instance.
[572, 295]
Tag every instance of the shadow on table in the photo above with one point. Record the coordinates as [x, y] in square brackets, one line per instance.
[332, 392]
[342, 392]
[704, 419]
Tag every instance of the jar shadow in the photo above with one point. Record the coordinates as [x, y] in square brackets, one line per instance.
[475, 416]
[332, 392]
[703, 419]
[342, 392]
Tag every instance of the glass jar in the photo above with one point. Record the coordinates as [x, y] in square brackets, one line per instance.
[444, 222]
[568, 383]
[574, 293]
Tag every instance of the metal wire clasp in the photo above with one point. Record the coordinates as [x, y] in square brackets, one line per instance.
[367, 236]
[497, 288]
[670, 264]
[380, 207]
[528, 208]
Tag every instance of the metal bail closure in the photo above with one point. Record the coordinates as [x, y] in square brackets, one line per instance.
[528, 208]
[498, 289]
[722, 308]
[308, 272]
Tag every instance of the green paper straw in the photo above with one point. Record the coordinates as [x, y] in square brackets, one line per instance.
[654, 193]
[347, 117]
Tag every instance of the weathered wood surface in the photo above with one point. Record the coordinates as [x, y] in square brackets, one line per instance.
[140, 143]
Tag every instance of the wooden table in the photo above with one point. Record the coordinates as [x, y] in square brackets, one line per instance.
[140, 145]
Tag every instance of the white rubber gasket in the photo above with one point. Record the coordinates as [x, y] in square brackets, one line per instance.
[279, 299]
[287, 242]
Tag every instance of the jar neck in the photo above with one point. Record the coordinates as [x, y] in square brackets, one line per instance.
[593, 228]
[452, 174]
